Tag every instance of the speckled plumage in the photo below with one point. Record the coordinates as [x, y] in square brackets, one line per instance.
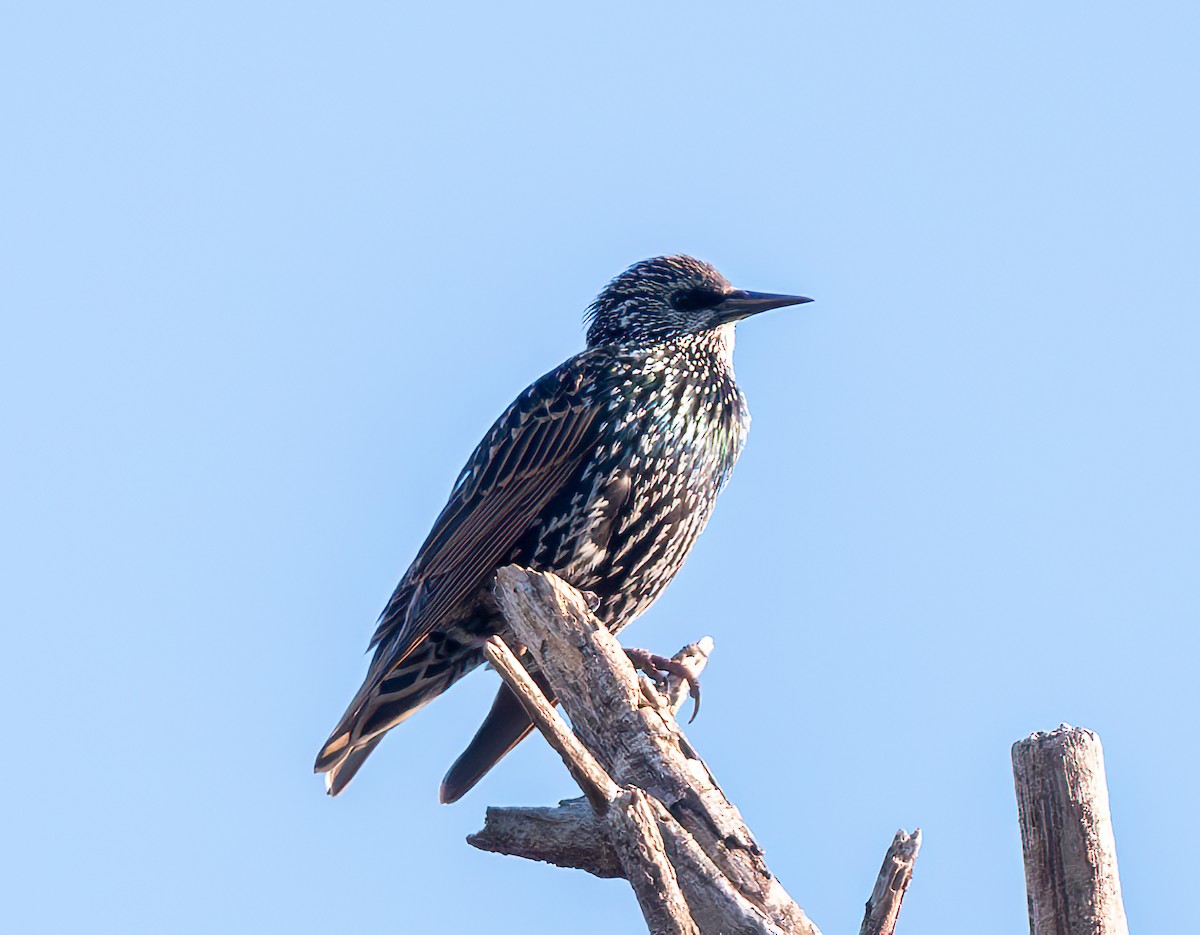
[604, 471]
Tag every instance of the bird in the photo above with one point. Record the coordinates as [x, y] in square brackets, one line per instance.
[604, 471]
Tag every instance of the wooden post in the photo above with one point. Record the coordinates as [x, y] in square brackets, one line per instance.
[1066, 834]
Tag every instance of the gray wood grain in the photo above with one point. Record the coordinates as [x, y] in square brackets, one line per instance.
[883, 908]
[635, 738]
[1067, 838]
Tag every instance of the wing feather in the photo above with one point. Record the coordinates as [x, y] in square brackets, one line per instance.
[534, 448]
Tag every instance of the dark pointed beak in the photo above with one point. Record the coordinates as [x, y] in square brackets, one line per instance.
[742, 304]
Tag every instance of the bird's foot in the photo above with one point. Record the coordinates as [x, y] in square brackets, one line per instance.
[592, 599]
[659, 667]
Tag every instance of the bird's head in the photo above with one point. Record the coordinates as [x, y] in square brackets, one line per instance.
[666, 297]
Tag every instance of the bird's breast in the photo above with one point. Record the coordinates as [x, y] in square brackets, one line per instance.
[671, 434]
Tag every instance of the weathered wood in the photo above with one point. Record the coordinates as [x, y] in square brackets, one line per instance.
[593, 780]
[570, 834]
[637, 741]
[883, 908]
[678, 887]
[1066, 834]
[626, 818]
[633, 833]
[716, 904]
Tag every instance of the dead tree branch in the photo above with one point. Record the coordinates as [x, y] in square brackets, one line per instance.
[571, 834]
[1066, 834]
[652, 812]
[632, 734]
[883, 908]
[627, 820]
[597, 788]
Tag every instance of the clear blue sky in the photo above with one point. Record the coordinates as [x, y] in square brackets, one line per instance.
[269, 271]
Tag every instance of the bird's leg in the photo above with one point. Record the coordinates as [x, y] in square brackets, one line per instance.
[657, 667]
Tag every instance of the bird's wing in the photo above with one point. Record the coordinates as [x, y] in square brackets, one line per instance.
[523, 461]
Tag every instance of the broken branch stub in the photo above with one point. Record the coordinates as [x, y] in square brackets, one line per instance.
[883, 908]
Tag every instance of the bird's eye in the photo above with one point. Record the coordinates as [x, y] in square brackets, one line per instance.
[692, 300]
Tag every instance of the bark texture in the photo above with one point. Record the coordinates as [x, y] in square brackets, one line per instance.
[570, 834]
[629, 729]
[652, 812]
[1066, 835]
[883, 908]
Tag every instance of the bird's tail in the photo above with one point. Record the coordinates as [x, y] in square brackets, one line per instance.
[338, 776]
[505, 726]
[382, 703]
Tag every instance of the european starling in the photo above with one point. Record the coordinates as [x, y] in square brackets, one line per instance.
[604, 472]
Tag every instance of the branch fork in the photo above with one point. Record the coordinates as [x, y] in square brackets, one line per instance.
[651, 812]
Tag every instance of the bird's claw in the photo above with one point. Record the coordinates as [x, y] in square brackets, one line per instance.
[658, 667]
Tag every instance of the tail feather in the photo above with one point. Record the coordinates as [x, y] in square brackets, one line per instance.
[385, 701]
[338, 776]
[505, 726]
